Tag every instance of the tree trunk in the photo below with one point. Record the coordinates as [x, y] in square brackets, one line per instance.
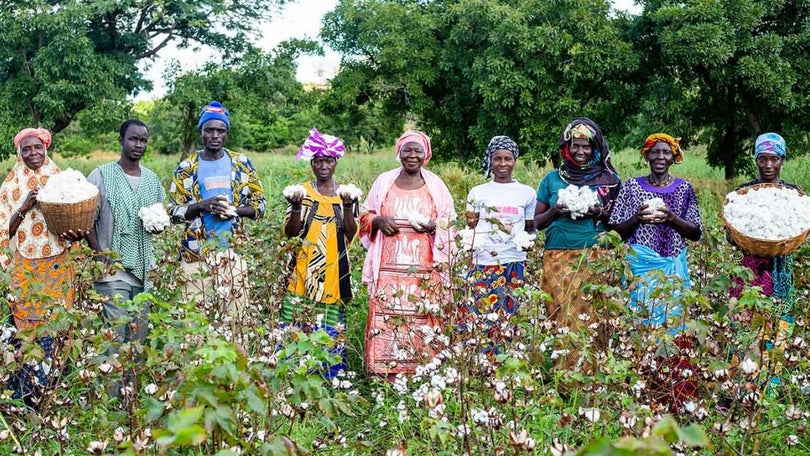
[728, 151]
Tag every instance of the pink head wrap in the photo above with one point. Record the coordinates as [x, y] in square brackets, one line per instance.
[40, 133]
[320, 145]
[417, 137]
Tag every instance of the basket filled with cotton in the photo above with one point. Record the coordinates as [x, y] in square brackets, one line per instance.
[68, 202]
[767, 220]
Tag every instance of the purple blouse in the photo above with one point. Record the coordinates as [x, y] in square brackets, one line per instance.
[679, 197]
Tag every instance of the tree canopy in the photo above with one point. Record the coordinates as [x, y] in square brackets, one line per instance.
[466, 70]
[59, 58]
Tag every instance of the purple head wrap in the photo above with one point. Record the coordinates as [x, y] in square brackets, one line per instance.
[320, 145]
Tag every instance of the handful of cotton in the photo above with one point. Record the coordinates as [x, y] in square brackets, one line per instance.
[768, 213]
[577, 199]
[69, 186]
[154, 218]
[418, 221]
[656, 205]
[350, 191]
[524, 240]
[466, 238]
[291, 191]
[230, 212]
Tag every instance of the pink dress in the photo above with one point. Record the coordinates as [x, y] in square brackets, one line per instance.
[395, 333]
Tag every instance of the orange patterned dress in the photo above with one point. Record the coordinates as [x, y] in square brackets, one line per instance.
[40, 277]
[395, 333]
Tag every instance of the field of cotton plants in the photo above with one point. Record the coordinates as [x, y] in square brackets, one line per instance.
[223, 377]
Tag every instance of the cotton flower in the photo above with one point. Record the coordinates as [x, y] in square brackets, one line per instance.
[577, 199]
[350, 191]
[154, 217]
[68, 186]
[749, 366]
[291, 191]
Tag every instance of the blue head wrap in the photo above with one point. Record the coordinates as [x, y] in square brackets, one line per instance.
[770, 143]
[214, 111]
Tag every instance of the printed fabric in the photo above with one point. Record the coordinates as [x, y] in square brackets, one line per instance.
[245, 186]
[679, 197]
[320, 270]
[130, 240]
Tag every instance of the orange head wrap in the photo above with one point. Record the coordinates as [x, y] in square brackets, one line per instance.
[677, 152]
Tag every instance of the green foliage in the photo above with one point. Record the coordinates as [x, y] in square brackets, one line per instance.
[60, 58]
[467, 70]
[721, 72]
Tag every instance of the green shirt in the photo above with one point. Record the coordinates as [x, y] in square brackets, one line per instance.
[565, 233]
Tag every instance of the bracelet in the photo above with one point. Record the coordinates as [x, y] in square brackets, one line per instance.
[19, 214]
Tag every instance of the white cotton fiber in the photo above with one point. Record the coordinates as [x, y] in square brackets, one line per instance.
[154, 217]
[68, 186]
[656, 205]
[291, 190]
[577, 199]
[524, 240]
[769, 213]
[350, 191]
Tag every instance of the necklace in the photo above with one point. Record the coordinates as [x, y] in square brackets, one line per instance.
[661, 184]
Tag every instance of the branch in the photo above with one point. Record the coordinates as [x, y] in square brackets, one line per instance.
[155, 49]
[142, 17]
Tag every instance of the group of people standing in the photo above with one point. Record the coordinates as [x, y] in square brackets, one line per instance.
[41, 275]
[655, 214]
[406, 224]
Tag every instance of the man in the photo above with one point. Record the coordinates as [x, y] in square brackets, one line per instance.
[211, 192]
[125, 186]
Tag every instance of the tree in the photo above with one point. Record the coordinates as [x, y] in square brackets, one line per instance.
[466, 70]
[724, 71]
[58, 58]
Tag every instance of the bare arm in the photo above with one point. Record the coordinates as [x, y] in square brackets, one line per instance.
[545, 214]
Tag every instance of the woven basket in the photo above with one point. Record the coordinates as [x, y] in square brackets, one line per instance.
[62, 217]
[764, 247]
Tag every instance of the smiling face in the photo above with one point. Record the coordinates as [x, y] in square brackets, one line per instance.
[769, 167]
[503, 163]
[660, 158]
[33, 152]
[323, 168]
[412, 156]
[581, 151]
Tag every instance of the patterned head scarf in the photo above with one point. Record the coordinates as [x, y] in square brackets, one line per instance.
[39, 133]
[495, 144]
[770, 143]
[320, 145]
[417, 137]
[677, 152]
[599, 171]
[214, 111]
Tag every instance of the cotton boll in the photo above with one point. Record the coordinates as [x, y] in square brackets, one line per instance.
[154, 217]
[350, 191]
[68, 186]
[769, 213]
[291, 191]
[418, 221]
[524, 240]
[467, 238]
[230, 212]
[656, 205]
[578, 200]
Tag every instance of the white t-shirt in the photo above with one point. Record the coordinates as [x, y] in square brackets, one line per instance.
[512, 204]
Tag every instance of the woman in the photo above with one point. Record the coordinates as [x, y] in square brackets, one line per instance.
[572, 242]
[774, 275]
[41, 279]
[498, 261]
[320, 279]
[404, 225]
[657, 235]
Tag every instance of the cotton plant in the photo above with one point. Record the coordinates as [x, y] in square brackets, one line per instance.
[578, 200]
[768, 213]
[68, 186]
[154, 217]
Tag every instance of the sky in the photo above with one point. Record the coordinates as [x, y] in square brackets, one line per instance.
[301, 19]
